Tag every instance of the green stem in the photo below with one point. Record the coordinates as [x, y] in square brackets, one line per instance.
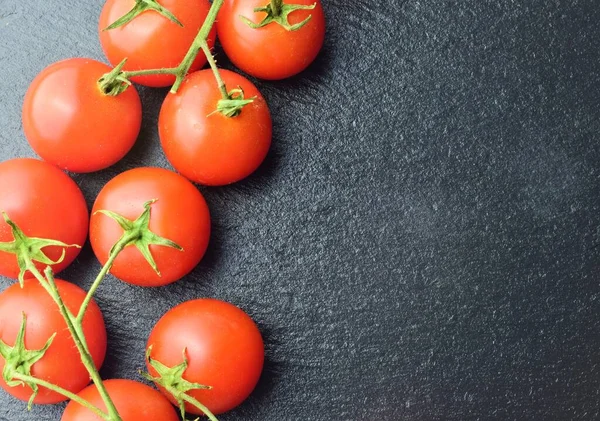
[86, 358]
[117, 83]
[215, 69]
[119, 246]
[78, 338]
[192, 53]
[198, 405]
[276, 7]
[168, 71]
[30, 379]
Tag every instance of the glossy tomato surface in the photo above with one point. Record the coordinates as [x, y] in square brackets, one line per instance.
[270, 52]
[72, 124]
[152, 41]
[134, 402]
[61, 364]
[45, 203]
[223, 345]
[206, 146]
[179, 214]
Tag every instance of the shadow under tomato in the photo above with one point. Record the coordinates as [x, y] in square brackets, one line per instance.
[78, 272]
[212, 257]
[316, 74]
[198, 283]
[259, 179]
[147, 150]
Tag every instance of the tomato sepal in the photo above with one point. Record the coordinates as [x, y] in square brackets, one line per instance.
[114, 82]
[278, 12]
[171, 379]
[138, 234]
[233, 105]
[140, 7]
[29, 249]
[19, 359]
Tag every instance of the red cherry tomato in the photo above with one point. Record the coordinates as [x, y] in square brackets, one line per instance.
[223, 346]
[45, 203]
[71, 123]
[151, 40]
[180, 214]
[61, 364]
[134, 402]
[271, 52]
[206, 146]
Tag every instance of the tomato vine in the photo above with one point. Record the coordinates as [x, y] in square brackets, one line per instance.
[29, 250]
[117, 81]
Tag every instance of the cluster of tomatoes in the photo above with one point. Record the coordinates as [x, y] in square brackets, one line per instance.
[149, 226]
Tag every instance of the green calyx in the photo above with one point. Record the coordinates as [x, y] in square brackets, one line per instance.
[29, 249]
[278, 12]
[171, 379]
[19, 359]
[140, 7]
[233, 105]
[114, 82]
[137, 233]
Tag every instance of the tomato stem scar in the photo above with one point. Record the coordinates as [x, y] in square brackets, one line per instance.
[278, 12]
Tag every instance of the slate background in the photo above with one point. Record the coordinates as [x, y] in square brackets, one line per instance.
[420, 244]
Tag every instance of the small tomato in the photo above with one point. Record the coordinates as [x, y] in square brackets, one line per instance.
[205, 145]
[72, 124]
[180, 214]
[271, 52]
[223, 346]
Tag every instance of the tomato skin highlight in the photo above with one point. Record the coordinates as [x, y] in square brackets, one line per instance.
[134, 402]
[72, 124]
[270, 52]
[206, 146]
[180, 214]
[152, 41]
[223, 345]
[61, 364]
[45, 203]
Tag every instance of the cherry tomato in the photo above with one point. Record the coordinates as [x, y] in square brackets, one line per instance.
[134, 402]
[179, 214]
[151, 40]
[206, 146]
[71, 123]
[45, 203]
[271, 52]
[61, 364]
[223, 346]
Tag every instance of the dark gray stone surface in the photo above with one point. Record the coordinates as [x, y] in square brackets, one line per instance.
[420, 244]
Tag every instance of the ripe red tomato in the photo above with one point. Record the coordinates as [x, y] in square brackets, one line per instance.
[134, 402]
[224, 348]
[206, 146]
[71, 123]
[45, 203]
[270, 52]
[151, 40]
[180, 214]
[61, 364]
